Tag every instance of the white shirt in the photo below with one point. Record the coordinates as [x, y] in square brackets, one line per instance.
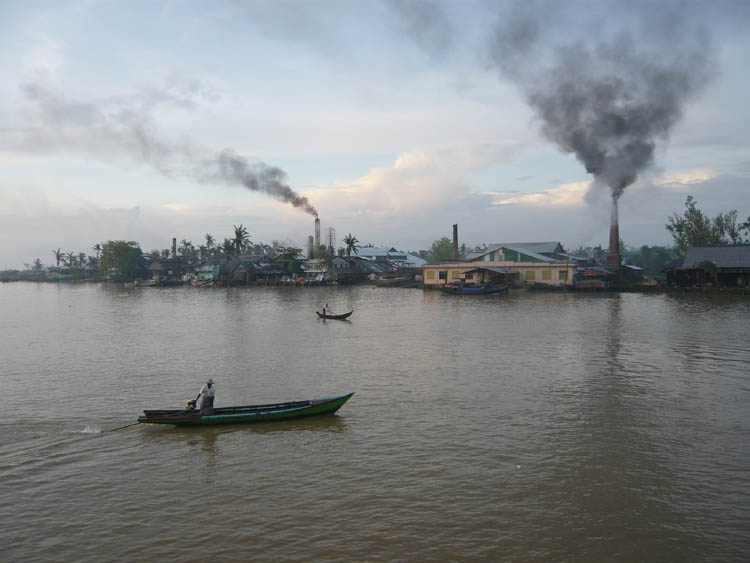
[207, 391]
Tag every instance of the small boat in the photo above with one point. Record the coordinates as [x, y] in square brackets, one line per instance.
[473, 288]
[241, 415]
[329, 316]
[392, 281]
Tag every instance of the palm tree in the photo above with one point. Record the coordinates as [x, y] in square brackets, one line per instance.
[82, 258]
[352, 244]
[58, 256]
[228, 247]
[186, 247]
[97, 248]
[241, 238]
[210, 241]
[71, 259]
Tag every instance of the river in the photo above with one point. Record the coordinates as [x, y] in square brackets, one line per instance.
[527, 427]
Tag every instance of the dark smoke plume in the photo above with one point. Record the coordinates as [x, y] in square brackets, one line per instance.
[230, 168]
[608, 101]
[112, 128]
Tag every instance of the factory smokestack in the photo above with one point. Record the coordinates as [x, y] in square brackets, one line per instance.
[317, 234]
[310, 247]
[613, 254]
[455, 242]
[174, 248]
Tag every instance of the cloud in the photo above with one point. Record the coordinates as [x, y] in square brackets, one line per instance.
[565, 195]
[682, 180]
[416, 182]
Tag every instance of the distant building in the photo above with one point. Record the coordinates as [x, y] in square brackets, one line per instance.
[726, 266]
[528, 263]
[396, 257]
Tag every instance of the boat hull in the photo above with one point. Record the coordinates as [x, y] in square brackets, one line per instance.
[334, 317]
[247, 414]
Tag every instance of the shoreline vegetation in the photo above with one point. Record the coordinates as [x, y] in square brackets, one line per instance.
[239, 261]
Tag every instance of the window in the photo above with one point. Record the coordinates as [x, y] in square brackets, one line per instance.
[562, 275]
[530, 275]
[471, 277]
[443, 275]
[547, 275]
[429, 275]
[455, 275]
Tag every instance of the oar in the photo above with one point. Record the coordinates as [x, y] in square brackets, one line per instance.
[121, 427]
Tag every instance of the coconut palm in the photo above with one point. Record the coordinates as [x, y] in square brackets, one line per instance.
[352, 244]
[71, 259]
[241, 238]
[227, 247]
[97, 248]
[58, 256]
[210, 241]
[186, 247]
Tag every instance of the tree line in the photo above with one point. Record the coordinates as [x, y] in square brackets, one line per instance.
[692, 228]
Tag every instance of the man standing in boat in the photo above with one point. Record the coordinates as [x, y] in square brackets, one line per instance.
[208, 391]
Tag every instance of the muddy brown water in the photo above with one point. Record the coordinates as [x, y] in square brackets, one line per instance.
[528, 427]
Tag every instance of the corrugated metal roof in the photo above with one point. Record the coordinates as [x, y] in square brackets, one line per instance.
[734, 256]
[530, 253]
[538, 247]
[532, 249]
[391, 254]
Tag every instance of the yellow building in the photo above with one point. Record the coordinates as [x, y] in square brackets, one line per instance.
[526, 263]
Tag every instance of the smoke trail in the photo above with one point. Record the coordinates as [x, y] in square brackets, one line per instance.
[125, 126]
[233, 169]
[608, 101]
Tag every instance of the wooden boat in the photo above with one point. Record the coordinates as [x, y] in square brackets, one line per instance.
[473, 288]
[392, 281]
[241, 415]
[329, 316]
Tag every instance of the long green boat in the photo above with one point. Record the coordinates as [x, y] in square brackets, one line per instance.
[251, 413]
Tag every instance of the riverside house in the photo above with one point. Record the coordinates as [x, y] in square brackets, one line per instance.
[523, 263]
[725, 266]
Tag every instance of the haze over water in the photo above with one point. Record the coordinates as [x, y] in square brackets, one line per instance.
[532, 427]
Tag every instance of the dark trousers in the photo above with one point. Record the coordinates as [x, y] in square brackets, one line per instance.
[207, 406]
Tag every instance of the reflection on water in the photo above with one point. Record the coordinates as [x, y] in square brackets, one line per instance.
[544, 426]
[166, 433]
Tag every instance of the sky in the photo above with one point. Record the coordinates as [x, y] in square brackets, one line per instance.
[148, 120]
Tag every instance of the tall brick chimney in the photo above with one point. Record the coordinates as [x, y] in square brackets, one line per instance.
[455, 242]
[613, 254]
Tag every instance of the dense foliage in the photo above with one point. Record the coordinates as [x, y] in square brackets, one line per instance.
[694, 227]
[122, 259]
[441, 250]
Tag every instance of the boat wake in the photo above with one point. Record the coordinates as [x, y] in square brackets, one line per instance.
[85, 430]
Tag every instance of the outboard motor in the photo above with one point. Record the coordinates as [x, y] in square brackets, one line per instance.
[190, 404]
